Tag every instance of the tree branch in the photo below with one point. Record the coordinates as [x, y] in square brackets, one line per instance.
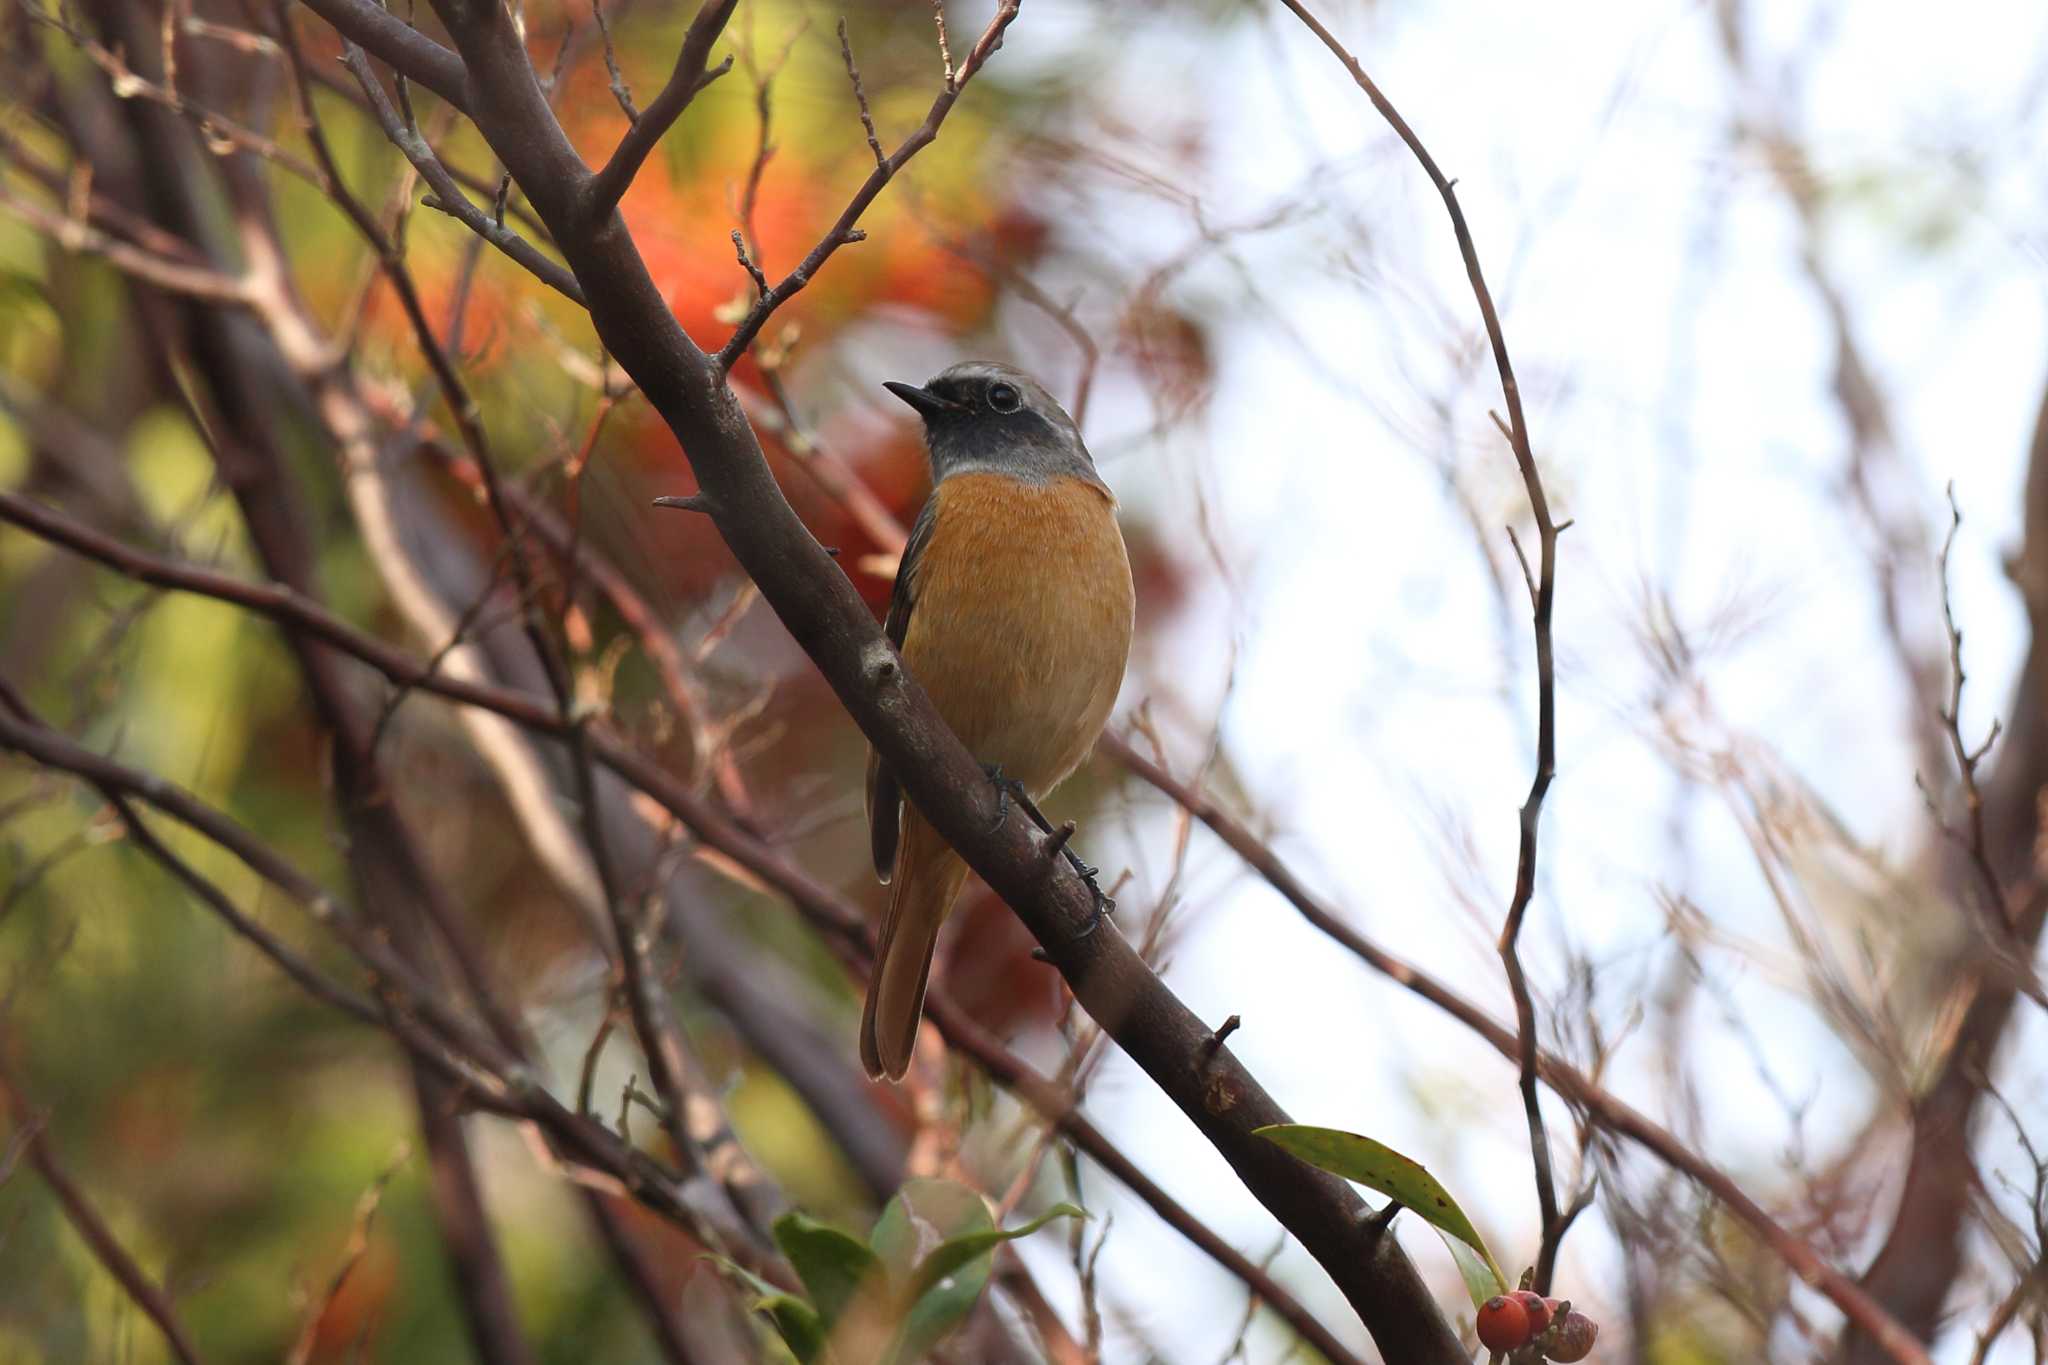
[1606, 1109]
[398, 45]
[449, 196]
[609, 185]
[844, 231]
[1916, 1268]
[1542, 592]
[173, 276]
[827, 619]
[843, 922]
[85, 1220]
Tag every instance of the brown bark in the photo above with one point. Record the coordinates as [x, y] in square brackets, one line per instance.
[1916, 1269]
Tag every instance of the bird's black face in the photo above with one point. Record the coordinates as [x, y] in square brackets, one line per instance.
[984, 417]
[969, 399]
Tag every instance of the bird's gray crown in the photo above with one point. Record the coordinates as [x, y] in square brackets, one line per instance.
[984, 417]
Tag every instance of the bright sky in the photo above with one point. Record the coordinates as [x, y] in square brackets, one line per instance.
[1676, 364]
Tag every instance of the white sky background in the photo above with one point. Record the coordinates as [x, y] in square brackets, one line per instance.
[1676, 365]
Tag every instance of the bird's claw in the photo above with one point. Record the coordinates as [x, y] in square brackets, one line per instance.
[1105, 906]
[1008, 787]
[1005, 787]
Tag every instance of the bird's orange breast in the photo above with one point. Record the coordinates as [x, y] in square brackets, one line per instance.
[1022, 622]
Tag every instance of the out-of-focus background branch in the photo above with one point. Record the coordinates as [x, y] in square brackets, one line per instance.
[343, 1017]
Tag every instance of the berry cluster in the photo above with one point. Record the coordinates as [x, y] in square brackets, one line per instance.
[1508, 1322]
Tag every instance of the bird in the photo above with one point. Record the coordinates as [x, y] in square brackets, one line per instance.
[1013, 608]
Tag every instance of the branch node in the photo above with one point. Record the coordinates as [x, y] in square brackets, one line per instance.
[1214, 1042]
[879, 665]
[714, 73]
[739, 246]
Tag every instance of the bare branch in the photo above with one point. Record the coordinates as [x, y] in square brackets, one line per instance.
[690, 76]
[739, 246]
[100, 210]
[843, 231]
[621, 92]
[1997, 914]
[398, 45]
[484, 1073]
[1057, 1108]
[86, 1221]
[825, 617]
[1606, 1109]
[175, 276]
[860, 94]
[842, 921]
[449, 196]
[1542, 593]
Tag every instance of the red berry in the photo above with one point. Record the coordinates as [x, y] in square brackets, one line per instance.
[1573, 1339]
[1503, 1323]
[1537, 1307]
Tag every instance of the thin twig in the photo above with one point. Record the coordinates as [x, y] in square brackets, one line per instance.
[764, 146]
[174, 276]
[843, 231]
[860, 94]
[652, 1024]
[1996, 913]
[1611, 1113]
[842, 921]
[739, 246]
[449, 196]
[480, 1069]
[1542, 592]
[689, 76]
[621, 92]
[85, 1220]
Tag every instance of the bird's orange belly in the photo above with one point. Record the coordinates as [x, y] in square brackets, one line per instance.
[1023, 620]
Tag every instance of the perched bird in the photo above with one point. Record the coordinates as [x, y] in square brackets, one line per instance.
[1013, 609]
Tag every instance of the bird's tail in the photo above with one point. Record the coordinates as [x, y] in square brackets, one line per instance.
[928, 877]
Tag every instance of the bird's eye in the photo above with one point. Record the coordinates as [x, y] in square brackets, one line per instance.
[1003, 397]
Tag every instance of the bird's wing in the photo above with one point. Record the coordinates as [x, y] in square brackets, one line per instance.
[884, 798]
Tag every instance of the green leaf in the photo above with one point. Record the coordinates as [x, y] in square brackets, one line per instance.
[958, 1251]
[921, 1216]
[937, 1237]
[834, 1265]
[797, 1322]
[1482, 1278]
[1403, 1179]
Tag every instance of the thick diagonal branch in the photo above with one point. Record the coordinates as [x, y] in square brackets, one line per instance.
[826, 617]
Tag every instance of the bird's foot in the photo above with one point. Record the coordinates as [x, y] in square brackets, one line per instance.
[1006, 788]
[1104, 905]
[1059, 845]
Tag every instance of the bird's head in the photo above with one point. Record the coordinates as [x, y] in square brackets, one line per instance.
[983, 417]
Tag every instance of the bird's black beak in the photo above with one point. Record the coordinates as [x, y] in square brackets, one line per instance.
[927, 403]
